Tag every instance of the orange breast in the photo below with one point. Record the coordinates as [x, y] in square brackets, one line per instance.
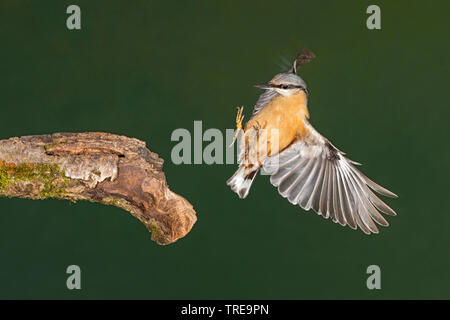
[279, 123]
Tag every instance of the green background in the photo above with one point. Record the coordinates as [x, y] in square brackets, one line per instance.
[145, 68]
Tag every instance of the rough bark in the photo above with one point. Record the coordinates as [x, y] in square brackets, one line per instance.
[99, 167]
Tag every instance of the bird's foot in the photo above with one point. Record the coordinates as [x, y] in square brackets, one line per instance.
[239, 118]
[257, 126]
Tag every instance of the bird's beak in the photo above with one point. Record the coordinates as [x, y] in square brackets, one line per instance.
[263, 86]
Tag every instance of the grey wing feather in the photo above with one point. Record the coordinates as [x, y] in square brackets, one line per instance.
[263, 99]
[314, 174]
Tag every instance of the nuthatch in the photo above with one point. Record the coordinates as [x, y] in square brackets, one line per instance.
[305, 167]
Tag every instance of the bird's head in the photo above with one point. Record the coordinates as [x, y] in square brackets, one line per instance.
[286, 84]
[289, 83]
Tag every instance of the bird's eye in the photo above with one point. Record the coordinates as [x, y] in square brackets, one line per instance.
[284, 86]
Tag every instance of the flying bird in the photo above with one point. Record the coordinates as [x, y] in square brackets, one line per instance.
[305, 166]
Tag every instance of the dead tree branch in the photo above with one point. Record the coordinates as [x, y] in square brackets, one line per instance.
[99, 167]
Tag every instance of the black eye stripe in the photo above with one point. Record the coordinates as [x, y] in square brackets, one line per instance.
[289, 86]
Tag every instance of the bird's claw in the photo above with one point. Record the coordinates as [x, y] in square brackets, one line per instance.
[257, 126]
[239, 118]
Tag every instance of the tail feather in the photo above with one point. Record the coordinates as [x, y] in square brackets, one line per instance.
[241, 181]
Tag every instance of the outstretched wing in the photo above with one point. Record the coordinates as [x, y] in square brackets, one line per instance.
[316, 175]
[263, 100]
